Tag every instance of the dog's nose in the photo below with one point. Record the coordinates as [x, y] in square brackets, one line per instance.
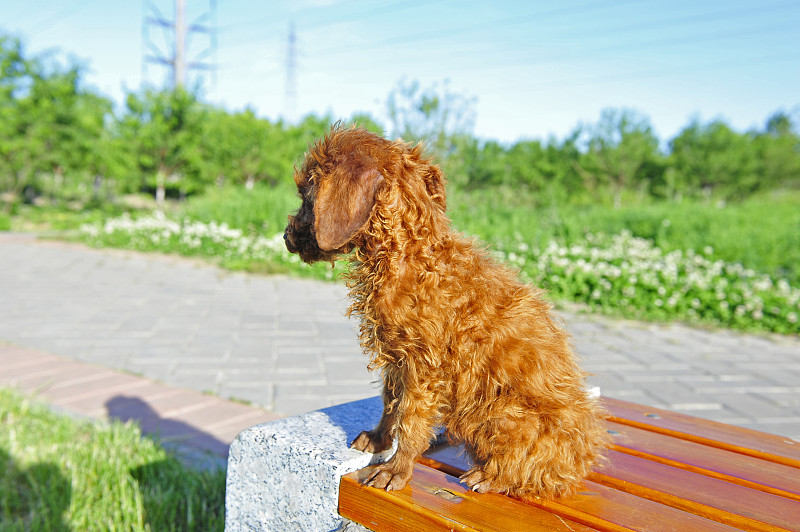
[288, 242]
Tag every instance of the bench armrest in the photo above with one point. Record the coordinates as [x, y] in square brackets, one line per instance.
[285, 475]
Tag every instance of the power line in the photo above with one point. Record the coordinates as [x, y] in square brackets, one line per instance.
[677, 22]
[522, 57]
[390, 8]
[290, 104]
[54, 18]
[439, 32]
[702, 30]
[660, 72]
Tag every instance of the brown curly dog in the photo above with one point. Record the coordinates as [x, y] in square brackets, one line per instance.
[460, 341]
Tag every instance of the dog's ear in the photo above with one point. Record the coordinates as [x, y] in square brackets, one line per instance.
[343, 207]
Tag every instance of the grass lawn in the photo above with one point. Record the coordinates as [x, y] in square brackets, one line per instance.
[58, 473]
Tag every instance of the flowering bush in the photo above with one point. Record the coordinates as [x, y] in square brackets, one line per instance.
[232, 247]
[629, 275]
[619, 274]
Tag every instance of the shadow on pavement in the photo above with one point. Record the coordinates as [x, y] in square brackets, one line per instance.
[191, 445]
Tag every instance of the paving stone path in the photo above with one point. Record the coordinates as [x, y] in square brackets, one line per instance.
[284, 346]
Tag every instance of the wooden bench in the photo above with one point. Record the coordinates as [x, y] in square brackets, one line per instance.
[667, 471]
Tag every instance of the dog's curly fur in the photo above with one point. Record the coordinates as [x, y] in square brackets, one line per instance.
[460, 341]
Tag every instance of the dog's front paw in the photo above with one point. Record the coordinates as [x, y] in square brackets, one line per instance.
[371, 441]
[388, 477]
[477, 481]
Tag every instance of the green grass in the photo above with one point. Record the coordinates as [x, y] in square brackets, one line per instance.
[58, 473]
[227, 246]
[762, 233]
[58, 220]
[263, 209]
[629, 276]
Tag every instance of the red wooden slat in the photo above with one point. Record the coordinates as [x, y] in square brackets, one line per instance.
[599, 503]
[435, 501]
[736, 468]
[778, 449]
[715, 499]
[599, 506]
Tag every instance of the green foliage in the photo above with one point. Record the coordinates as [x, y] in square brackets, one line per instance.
[778, 154]
[231, 247]
[242, 149]
[262, 209]
[544, 174]
[60, 143]
[49, 125]
[622, 153]
[58, 473]
[436, 116]
[622, 274]
[715, 160]
[163, 128]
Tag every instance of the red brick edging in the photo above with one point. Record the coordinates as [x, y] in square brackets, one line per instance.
[175, 415]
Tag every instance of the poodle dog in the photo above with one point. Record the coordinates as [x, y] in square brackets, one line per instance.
[460, 342]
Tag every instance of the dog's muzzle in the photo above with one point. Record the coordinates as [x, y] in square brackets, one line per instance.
[287, 239]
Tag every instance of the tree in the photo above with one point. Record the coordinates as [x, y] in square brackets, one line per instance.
[243, 149]
[164, 128]
[74, 142]
[17, 155]
[488, 165]
[619, 148]
[295, 139]
[778, 153]
[49, 124]
[235, 147]
[712, 159]
[434, 115]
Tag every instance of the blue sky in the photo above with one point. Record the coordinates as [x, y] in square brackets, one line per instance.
[534, 68]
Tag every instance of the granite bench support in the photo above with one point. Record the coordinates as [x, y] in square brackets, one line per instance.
[285, 475]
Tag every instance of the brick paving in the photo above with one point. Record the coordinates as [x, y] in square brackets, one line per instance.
[171, 342]
[197, 425]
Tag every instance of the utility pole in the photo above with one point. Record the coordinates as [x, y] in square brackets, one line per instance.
[179, 70]
[172, 50]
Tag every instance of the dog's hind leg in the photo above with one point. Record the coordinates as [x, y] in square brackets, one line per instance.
[545, 457]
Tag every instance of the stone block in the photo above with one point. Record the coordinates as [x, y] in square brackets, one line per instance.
[284, 475]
